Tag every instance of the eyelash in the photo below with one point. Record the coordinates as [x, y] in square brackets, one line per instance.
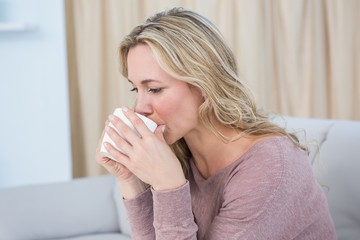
[150, 90]
[154, 90]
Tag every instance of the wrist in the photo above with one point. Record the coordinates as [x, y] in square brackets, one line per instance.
[131, 187]
[169, 185]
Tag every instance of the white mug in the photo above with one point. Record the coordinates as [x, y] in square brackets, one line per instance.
[119, 113]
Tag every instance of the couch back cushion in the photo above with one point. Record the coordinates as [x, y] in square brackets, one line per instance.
[59, 210]
[338, 170]
[336, 167]
[311, 132]
[121, 210]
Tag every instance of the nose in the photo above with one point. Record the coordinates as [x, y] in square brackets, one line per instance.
[143, 106]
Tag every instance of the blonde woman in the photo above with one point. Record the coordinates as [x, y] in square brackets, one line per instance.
[216, 167]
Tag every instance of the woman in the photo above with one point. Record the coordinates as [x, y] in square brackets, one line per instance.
[216, 167]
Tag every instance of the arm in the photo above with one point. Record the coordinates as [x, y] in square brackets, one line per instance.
[168, 211]
[129, 187]
[141, 216]
[173, 217]
[147, 158]
[137, 159]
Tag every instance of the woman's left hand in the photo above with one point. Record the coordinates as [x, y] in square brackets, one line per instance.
[148, 157]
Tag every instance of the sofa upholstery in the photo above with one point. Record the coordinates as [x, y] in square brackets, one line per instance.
[91, 208]
[82, 209]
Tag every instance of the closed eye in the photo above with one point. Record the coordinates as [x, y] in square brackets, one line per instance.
[154, 90]
[134, 89]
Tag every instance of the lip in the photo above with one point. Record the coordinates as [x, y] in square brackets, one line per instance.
[157, 122]
[160, 125]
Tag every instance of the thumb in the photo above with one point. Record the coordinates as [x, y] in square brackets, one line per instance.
[159, 132]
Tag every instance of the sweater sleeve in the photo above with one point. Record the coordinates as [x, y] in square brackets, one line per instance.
[173, 217]
[141, 216]
[162, 215]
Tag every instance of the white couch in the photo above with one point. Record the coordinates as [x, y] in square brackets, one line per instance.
[91, 209]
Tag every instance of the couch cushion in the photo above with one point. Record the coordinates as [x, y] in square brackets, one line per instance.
[121, 210]
[59, 210]
[338, 171]
[311, 133]
[111, 236]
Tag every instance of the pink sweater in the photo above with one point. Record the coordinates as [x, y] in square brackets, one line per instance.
[268, 193]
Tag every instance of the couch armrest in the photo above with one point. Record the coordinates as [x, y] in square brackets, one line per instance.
[58, 210]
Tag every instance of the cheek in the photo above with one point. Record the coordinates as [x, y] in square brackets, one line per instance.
[166, 109]
[178, 106]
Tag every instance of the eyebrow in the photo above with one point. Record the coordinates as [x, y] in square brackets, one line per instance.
[145, 81]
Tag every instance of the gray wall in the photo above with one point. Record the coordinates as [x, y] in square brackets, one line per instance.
[34, 111]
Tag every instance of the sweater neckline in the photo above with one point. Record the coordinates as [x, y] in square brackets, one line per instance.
[199, 178]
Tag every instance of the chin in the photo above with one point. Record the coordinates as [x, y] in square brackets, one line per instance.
[169, 139]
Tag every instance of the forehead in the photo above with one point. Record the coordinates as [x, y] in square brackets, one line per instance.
[140, 49]
[142, 65]
[140, 61]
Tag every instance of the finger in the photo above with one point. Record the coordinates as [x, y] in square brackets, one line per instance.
[125, 131]
[111, 166]
[120, 142]
[98, 146]
[118, 156]
[137, 122]
[159, 132]
[102, 135]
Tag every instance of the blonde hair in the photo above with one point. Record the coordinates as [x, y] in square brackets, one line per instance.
[190, 48]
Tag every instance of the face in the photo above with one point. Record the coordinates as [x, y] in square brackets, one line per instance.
[162, 98]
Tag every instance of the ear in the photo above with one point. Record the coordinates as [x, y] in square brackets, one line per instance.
[203, 94]
[197, 90]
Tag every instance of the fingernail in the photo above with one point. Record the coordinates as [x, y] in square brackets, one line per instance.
[125, 109]
[107, 128]
[111, 117]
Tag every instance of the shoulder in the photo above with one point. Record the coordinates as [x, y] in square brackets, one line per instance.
[254, 182]
[265, 159]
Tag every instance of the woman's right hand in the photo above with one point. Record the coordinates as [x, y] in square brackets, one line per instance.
[130, 185]
[120, 172]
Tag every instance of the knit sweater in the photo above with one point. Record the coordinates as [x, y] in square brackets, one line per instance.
[270, 192]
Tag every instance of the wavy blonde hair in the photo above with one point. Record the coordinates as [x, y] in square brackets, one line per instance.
[190, 48]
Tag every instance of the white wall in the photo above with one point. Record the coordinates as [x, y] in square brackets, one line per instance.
[34, 111]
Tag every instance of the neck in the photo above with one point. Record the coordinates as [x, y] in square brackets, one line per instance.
[210, 153]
